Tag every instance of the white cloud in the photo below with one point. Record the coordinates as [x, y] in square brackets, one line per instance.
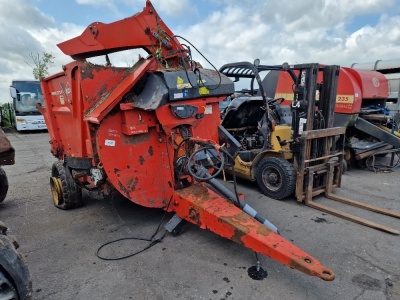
[171, 8]
[174, 8]
[274, 31]
[107, 3]
[15, 17]
[295, 31]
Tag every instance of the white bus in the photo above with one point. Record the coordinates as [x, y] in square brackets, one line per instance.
[26, 94]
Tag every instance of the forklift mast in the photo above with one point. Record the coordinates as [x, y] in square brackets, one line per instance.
[316, 145]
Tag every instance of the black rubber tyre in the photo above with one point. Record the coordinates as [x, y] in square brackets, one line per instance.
[15, 282]
[66, 193]
[3, 185]
[276, 177]
[7, 290]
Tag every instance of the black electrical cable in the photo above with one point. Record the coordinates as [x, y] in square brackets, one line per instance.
[153, 241]
[190, 57]
[232, 166]
[183, 57]
[201, 82]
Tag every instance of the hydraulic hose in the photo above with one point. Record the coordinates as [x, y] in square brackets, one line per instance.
[191, 158]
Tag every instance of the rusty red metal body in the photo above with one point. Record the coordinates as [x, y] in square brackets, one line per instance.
[123, 128]
[354, 86]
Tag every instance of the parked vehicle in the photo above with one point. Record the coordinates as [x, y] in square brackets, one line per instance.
[293, 147]
[26, 94]
[151, 132]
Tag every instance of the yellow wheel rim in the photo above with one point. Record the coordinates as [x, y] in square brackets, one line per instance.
[56, 190]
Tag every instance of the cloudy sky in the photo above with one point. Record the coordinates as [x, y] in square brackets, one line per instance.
[276, 31]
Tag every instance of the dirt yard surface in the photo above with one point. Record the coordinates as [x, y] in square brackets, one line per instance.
[60, 245]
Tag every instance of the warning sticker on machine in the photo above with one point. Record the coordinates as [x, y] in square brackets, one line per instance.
[180, 83]
[204, 91]
[110, 143]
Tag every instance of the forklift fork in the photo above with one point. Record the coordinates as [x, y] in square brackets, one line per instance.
[319, 159]
[324, 177]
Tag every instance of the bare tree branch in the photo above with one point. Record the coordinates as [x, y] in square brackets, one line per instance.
[41, 64]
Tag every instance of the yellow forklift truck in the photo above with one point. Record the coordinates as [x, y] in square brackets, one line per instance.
[291, 148]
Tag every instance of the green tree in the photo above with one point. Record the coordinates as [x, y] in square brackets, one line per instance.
[41, 64]
[5, 111]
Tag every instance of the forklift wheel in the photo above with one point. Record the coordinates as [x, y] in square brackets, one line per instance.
[3, 185]
[66, 194]
[276, 177]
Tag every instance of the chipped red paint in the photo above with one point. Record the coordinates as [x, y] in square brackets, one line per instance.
[134, 143]
[218, 215]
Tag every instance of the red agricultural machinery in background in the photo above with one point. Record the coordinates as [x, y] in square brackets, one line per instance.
[289, 143]
[360, 107]
[152, 132]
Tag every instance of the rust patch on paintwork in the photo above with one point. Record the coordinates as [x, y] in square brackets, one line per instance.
[308, 265]
[302, 265]
[87, 71]
[141, 160]
[241, 218]
[103, 89]
[196, 191]
[194, 215]
[238, 234]
[136, 139]
[151, 152]
[96, 102]
[124, 190]
[132, 183]
[239, 223]
[263, 230]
